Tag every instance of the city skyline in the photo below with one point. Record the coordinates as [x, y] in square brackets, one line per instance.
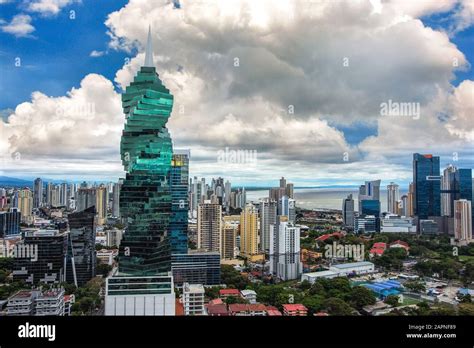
[222, 107]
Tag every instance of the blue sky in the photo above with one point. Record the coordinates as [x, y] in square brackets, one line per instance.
[55, 57]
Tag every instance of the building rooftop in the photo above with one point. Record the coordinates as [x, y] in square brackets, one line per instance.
[217, 309]
[194, 288]
[229, 292]
[248, 292]
[274, 313]
[238, 307]
[320, 274]
[294, 307]
[257, 307]
[353, 264]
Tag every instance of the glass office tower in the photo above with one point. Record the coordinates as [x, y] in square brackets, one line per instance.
[426, 179]
[145, 196]
[143, 284]
[81, 257]
[180, 202]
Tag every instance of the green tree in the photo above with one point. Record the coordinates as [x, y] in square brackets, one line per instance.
[361, 296]
[392, 300]
[415, 286]
[313, 303]
[305, 285]
[103, 269]
[336, 306]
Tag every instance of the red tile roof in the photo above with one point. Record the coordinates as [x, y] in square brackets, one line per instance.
[380, 245]
[219, 309]
[274, 313]
[294, 307]
[229, 292]
[377, 251]
[215, 301]
[257, 307]
[238, 307]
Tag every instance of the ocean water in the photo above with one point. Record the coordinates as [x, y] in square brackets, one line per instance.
[322, 198]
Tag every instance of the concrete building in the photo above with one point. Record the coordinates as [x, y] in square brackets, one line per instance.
[50, 303]
[348, 211]
[295, 310]
[396, 224]
[268, 216]
[365, 224]
[428, 226]
[37, 303]
[193, 299]
[113, 237]
[249, 232]
[285, 260]
[134, 295]
[312, 277]
[462, 222]
[25, 204]
[392, 198]
[345, 269]
[249, 295]
[229, 238]
[209, 221]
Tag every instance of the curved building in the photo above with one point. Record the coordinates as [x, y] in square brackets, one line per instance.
[146, 151]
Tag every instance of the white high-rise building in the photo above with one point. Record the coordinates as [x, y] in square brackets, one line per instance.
[193, 299]
[392, 198]
[285, 260]
[462, 222]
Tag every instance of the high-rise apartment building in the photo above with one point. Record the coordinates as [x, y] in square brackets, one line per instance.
[193, 299]
[463, 222]
[209, 223]
[25, 204]
[249, 232]
[229, 237]
[268, 216]
[38, 193]
[102, 200]
[285, 260]
[348, 211]
[392, 198]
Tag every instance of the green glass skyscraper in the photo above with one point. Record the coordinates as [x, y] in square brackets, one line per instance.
[143, 284]
[145, 196]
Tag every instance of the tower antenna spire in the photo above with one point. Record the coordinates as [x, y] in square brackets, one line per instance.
[149, 50]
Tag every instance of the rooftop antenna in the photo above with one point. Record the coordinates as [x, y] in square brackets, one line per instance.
[149, 51]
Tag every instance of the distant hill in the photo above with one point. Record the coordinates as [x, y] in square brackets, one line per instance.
[14, 182]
